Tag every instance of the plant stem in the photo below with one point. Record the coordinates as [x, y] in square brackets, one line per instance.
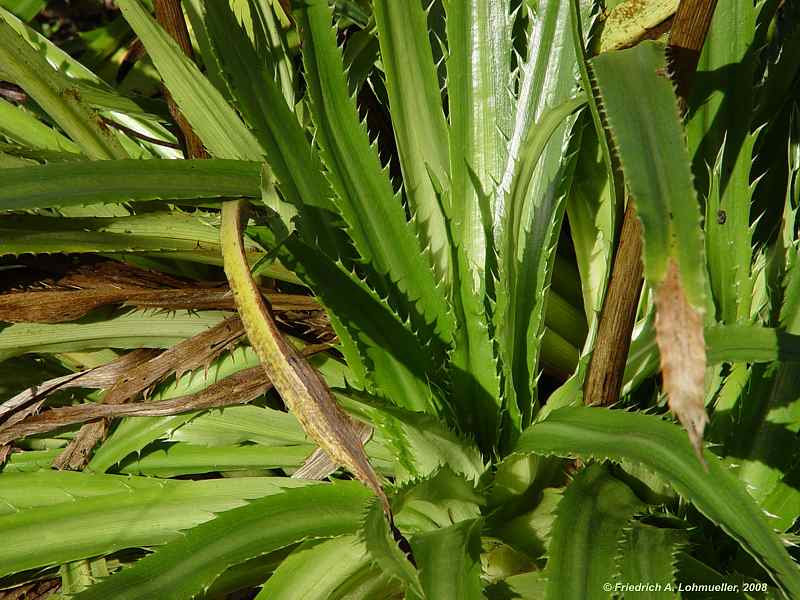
[607, 368]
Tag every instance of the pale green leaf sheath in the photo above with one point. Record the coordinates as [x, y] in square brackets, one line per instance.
[300, 386]
[479, 102]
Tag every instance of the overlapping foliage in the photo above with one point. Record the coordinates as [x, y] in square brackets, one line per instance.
[445, 178]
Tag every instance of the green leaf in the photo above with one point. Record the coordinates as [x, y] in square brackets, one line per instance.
[380, 348]
[194, 235]
[649, 556]
[724, 344]
[480, 112]
[211, 117]
[642, 113]
[264, 29]
[449, 561]
[750, 343]
[298, 170]
[239, 424]
[721, 110]
[592, 215]
[438, 500]
[593, 234]
[421, 443]
[533, 216]
[60, 59]
[128, 330]
[61, 516]
[531, 532]
[763, 429]
[531, 586]
[599, 433]
[374, 215]
[418, 122]
[530, 209]
[20, 126]
[117, 181]
[320, 571]
[588, 527]
[189, 565]
[26, 9]
[30, 70]
[384, 550]
[184, 459]
[729, 236]
[474, 369]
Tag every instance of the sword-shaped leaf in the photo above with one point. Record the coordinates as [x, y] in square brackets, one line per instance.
[418, 121]
[374, 215]
[117, 181]
[642, 112]
[188, 566]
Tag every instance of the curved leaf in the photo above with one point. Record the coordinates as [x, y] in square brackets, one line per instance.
[587, 530]
[642, 112]
[189, 565]
[530, 208]
[196, 235]
[29, 69]
[61, 517]
[322, 571]
[599, 433]
[449, 561]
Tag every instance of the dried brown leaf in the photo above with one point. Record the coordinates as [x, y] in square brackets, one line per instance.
[240, 388]
[679, 335]
[60, 305]
[98, 377]
[37, 590]
[190, 354]
[197, 351]
[75, 456]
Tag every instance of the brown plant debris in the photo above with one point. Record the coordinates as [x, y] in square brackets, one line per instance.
[240, 388]
[99, 377]
[37, 590]
[193, 353]
[679, 335]
[61, 305]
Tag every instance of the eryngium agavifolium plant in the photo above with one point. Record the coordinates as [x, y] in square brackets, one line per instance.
[406, 224]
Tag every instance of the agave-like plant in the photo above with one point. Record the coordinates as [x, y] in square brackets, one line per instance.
[448, 179]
